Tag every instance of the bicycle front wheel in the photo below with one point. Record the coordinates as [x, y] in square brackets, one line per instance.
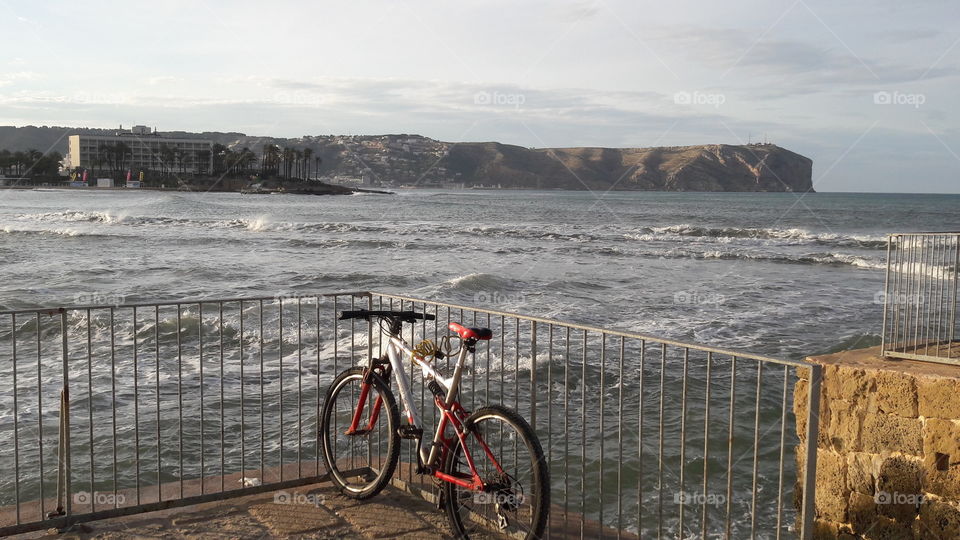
[507, 455]
[362, 460]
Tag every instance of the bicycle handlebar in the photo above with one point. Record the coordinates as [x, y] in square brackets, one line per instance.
[402, 316]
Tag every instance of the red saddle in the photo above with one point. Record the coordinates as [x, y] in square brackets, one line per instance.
[480, 334]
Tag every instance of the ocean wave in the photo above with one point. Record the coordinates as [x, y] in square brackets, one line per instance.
[830, 259]
[62, 231]
[679, 232]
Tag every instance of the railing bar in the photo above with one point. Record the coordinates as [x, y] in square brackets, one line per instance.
[643, 354]
[486, 396]
[549, 407]
[222, 374]
[566, 429]
[473, 369]
[706, 445]
[43, 510]
[180, 471]
[620, 444]
[136, 403]
[113, 397]
[663, 364]
[730, 433]
[917, 280]
[16, 417]
[260, 406]
[243, 406]
[503, 331]
[756, 454]
[783, 433]
[886, 299]
[203, 482]
[897, 254]
[319, 370]
[931, 286]
[683, 438]
[65, 456]
[808, 510]
[583, 435]
[156, 343]
[901, 308]
[575, 326]
[93, 498]
[185, 301]
[516, 366]
[603, 390]
[280, 382]
[300, 386]
[956, 277]
[941, 277]
[924, 284]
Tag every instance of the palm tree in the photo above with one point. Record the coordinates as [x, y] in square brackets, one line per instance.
[307, 153]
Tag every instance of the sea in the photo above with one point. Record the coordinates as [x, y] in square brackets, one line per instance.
[783, 275]
[786, 275]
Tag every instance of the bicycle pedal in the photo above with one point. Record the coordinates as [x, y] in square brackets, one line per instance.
[410, 432]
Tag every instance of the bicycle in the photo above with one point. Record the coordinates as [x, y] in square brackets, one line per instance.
[483, 491]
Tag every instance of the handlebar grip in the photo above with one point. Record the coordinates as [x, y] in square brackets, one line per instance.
[354, 314]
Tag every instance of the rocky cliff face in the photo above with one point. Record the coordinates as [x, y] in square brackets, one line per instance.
[757, 167]
[421, 161]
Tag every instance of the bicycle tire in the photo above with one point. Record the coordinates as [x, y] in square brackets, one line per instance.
[539, 473]
[346, 379]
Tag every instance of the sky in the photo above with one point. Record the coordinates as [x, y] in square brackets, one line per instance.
[866, 89]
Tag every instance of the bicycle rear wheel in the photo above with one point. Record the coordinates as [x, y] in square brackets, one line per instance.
[516, 500]
[360, 463]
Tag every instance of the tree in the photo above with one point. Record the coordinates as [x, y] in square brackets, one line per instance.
[203, 159]
[307, 153]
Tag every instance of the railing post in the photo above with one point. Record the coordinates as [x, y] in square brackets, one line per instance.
[810, 470]
[886, 298]
[63, 462]
[533, 375]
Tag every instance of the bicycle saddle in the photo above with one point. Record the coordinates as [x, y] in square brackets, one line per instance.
[480, 334]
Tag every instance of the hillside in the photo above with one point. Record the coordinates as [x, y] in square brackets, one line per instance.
[416, 160]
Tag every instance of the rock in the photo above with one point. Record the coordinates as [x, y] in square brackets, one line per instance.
[939, 398]
[939, 519]
[885, 432]
[896, 393]
[941, 457]
[899, 488]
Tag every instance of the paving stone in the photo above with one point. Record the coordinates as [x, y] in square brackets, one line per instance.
[286, 519]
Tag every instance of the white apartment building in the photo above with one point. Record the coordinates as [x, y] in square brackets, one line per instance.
[147, 151]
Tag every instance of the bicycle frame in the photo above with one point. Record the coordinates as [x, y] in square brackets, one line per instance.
[452, 413]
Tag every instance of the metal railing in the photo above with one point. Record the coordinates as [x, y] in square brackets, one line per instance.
[114, 410]
[920, 297]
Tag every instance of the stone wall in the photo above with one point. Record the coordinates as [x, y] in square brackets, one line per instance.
[888, 457]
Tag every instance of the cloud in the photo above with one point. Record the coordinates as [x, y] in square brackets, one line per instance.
[7, 79]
